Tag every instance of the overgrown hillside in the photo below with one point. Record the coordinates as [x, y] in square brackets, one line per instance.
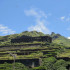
[6, 40]
[26, 33]
[56, 38]
[36, 55]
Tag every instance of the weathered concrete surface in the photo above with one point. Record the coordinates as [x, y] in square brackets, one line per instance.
[27, 62]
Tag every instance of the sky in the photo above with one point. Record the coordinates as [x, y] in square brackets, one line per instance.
[45, 16]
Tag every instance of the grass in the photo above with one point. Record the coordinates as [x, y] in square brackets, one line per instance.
[34, 52]
[33, 55]
[66, 53]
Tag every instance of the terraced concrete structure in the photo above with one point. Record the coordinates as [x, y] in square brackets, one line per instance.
[31, 39]
[29, 55]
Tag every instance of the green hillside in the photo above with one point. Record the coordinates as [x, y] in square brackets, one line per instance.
[36, 55]
[57, 38]
[26, 33]
[6, 40]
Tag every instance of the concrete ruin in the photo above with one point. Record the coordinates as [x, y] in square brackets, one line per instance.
[27, 62]
[31, 39]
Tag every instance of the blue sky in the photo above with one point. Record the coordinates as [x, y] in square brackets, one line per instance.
[45, 16]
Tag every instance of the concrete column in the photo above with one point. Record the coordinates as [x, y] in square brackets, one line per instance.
[33, 65]
[40, 61]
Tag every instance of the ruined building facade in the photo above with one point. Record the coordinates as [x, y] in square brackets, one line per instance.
[31, 39]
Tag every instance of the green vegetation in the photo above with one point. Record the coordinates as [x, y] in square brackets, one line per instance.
[58, 39]
[52, 63]
[17, 66]
[52, 55]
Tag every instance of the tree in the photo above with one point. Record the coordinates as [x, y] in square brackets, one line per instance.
[48, 63]
[20, 66]
[60, 65]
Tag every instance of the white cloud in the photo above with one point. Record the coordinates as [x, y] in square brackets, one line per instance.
[62, 18]
[68, 37]
[40, 27]
[33, 12]
[5, 30]
[40, 21]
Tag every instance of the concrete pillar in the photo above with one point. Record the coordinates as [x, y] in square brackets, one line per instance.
[40, 61]
[33, 65]
[69, 68]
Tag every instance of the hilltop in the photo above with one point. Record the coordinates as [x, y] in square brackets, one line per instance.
[56, 38]
[59, 39]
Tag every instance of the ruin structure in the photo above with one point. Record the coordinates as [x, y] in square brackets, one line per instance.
[31, 39]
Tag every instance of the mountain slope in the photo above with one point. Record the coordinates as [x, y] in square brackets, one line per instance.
[57, 38]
